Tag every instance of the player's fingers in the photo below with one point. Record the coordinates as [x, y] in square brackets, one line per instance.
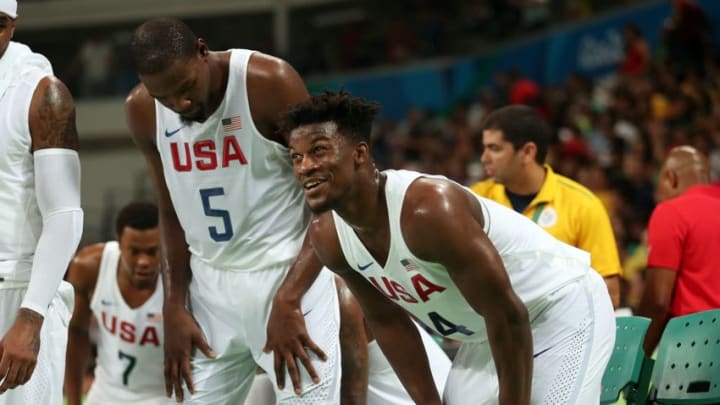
[310, 345]
[170, 376]
[20, 378]
[305, 360]
[204, 347]
[10, 376]
[294, 374]
[186, 371]
[28, 373]
[279, 365]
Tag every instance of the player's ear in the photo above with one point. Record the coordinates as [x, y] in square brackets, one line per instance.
[202, 47]
[361, 154]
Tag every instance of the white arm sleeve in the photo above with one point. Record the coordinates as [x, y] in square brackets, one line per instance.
[57, 189]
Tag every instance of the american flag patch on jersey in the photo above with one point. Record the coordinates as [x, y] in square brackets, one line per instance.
[409, 266]
[154, 317]
[231, 124]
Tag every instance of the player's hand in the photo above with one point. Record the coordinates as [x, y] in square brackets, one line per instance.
[288, 339]
[182, 334]
[19, 349]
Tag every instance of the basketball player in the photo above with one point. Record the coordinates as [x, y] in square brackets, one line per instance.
[117, 282]
[470, 268]
[232, 222]
[40, 220]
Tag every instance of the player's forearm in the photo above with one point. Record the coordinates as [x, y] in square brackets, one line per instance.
[175, 266]
[354, 349]
[510, 340]
[402, 345]
[77, 356]
[301, 275]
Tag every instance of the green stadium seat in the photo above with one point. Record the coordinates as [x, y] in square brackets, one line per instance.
[687, 370]
[628, 370]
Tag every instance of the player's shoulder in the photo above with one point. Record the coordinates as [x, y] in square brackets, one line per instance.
[140, 113]
[85, 266]
[266, 65]
[326, 242]
[432, 195]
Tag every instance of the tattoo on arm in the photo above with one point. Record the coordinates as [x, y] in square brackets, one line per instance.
[52, 116]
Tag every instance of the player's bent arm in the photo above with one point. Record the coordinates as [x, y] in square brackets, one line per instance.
[140, 119]
[655, 303]
[82, 274]
[391, 325]
[57, 189]
[353, 347]
[459, 243]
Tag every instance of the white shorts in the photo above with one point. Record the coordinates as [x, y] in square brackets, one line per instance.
[384, 386]
[232, 309]
[46, 384]
[573, 339]
[105, 394]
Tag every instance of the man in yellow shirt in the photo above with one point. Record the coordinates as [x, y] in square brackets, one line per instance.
[515, 142]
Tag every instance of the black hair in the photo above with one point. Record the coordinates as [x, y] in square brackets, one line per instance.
[521, 124]
[353, 116]
[158, 43]
[138, 215]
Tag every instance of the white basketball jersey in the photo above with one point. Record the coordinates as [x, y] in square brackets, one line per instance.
[233, 190]
[130, 353]
[20, 222]
[536, 263]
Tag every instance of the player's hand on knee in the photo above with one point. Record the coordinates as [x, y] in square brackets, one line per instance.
[19, 349]
[289, 341]
[182, 336]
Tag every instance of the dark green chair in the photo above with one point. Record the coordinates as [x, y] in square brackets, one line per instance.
[687, 369]
[628, 370]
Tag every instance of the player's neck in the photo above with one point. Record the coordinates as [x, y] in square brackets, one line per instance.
[364, 207]
[219, 72]
[529, 183]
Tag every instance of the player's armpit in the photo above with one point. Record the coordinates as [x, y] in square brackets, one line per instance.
[52, 116]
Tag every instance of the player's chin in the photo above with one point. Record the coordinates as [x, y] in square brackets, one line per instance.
[318, 205]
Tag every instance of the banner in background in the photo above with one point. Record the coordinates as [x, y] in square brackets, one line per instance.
[592, 49]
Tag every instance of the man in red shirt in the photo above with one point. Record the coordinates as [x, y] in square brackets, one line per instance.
[683, 274]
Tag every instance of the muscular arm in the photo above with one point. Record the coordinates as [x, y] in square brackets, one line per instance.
[175, 262]
[459, 243]
[655, 304]
[391, 325]
[354, 348]
[82, 275]
[140, 116]
[57, 191]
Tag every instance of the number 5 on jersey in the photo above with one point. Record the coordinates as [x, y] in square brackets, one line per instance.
[227, 233]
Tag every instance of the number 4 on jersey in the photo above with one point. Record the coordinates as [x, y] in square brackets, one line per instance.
[445, 327]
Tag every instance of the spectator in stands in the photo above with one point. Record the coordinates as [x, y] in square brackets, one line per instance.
[682, 275]
[686, 38]
[515, 141]
[636, 58]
